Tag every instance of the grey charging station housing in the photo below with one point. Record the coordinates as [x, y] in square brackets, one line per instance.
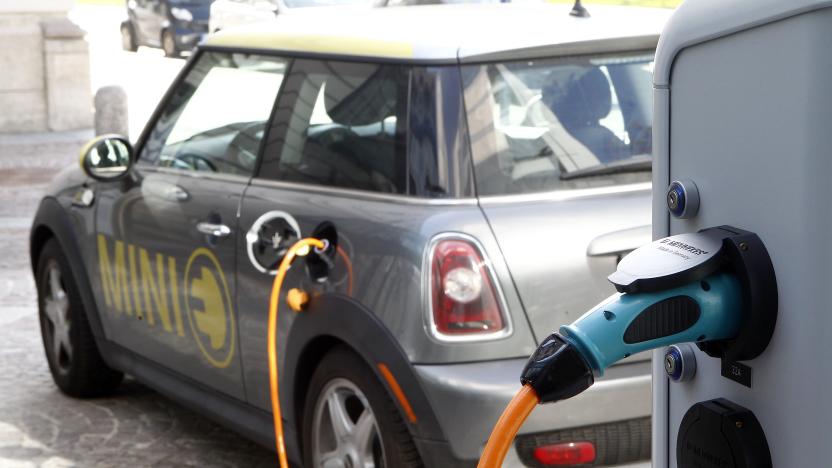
[743, 107]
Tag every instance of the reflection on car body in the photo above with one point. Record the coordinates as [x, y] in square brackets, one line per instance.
[236, 143]
[481, 188]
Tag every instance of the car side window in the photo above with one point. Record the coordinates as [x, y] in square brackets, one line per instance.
[341, 124]
[216, 117]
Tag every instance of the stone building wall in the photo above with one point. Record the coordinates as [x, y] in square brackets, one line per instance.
[44, 68]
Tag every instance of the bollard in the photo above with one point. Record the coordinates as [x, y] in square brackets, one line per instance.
[111, 111]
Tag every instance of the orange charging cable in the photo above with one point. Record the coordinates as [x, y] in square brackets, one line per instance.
[505, 430]
[300, 249]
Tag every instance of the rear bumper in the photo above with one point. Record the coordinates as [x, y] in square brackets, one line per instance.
[469, 398]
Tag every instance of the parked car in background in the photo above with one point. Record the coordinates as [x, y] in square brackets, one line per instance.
[174, 26]
[234, 13]
[483, 182]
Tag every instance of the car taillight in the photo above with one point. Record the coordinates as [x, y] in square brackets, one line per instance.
[565, 454]
[464, 298]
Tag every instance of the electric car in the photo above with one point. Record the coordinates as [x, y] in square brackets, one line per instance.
[479, 182]
[175, 26]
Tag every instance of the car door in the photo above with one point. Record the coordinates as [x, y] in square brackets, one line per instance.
[337, 126]
[166, 237]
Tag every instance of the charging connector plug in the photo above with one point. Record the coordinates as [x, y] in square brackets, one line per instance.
[557, 371]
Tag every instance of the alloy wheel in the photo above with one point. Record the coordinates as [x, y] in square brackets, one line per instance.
[344, 431]
[58, 323]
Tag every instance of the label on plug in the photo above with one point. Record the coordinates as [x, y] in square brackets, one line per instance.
[737, 372]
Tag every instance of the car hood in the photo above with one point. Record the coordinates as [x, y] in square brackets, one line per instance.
[561, 247]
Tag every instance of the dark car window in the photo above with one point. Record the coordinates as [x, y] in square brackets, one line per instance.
[543, 125]
[216, 117]
[341, 124]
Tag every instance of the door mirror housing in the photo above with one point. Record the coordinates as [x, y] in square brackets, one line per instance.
[107, 157]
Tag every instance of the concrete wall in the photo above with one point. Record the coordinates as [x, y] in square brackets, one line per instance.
[45, 78]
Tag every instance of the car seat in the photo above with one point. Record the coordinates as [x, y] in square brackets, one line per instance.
[364, 103]
[586, 100]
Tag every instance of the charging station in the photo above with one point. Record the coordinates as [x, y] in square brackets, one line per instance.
[742, 137]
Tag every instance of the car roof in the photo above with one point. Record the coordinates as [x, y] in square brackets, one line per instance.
[450, 33]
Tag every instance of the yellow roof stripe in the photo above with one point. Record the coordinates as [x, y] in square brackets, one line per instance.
[339, 45]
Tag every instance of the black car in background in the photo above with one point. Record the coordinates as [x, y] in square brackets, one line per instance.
[172, 25]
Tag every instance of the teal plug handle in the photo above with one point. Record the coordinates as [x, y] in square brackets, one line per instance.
[626, 324]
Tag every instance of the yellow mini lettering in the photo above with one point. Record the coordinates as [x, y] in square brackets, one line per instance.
[114, 283]
[174, 295]
[153, 286]
[131, 256]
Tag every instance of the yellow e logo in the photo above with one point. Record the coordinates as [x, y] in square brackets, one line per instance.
[208, 307]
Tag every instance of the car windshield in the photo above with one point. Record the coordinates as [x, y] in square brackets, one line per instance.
[544, 125]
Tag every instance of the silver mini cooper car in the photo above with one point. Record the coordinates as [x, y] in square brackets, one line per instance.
[484, 168]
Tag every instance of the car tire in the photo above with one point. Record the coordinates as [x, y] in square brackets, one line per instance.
[343, 379]
[128, 38]
[71, 352]
[169, 44]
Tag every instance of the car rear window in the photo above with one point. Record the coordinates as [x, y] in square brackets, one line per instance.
[544, 125]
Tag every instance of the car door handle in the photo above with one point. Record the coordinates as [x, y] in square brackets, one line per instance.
[213, 229]
[619, 243]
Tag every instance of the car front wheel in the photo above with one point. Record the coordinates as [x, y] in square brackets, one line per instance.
[350, 421]
[74, 361]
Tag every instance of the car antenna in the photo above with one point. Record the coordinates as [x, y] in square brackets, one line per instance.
[579, 10]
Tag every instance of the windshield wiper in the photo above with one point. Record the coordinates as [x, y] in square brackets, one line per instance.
[641, 162]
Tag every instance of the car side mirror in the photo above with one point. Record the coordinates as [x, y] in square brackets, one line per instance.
[107, 157]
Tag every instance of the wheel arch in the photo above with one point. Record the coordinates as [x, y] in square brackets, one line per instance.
[39, 236]
[332, 320]
[53, 222]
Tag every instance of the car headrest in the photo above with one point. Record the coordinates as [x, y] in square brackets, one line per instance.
[585, 101]
[360, 100]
